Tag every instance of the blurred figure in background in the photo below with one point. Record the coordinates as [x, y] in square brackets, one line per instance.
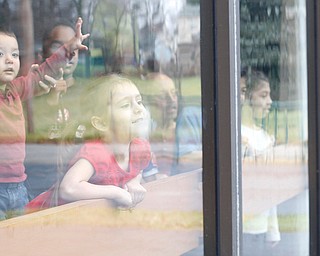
[161, 100]
[57, 108]
[188, 139]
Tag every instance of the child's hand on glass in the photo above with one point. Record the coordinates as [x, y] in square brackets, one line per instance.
[52, 86]
[49, 82]
[60, 87]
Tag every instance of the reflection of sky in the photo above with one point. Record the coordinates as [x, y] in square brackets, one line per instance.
[170, 10]
[173, 6]
[164, 41]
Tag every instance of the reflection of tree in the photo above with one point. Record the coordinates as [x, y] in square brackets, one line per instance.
[127, 31]
[48, 12]
[117, 55]
[5, 14]
[292, 58]
[110, 30]
[134, 10]
[143, 30]
[28, 57]
[150, 22]
[260, 37]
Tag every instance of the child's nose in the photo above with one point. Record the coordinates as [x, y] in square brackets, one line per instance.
[137, 108]
[9, 58]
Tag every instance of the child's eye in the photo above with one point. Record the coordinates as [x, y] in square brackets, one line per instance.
[15, 55]
[126, 105]
[1, 54]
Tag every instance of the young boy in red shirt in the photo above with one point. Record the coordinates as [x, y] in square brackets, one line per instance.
[13, 194]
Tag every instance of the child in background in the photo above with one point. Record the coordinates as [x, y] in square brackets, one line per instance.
[13, 194]
[256, 141]
[260, 231]
[109, 165]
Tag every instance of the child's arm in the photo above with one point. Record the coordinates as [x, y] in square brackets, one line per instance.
[75, 186]
[50, 85]
[54, 93]
[136, 190]
[29, 86]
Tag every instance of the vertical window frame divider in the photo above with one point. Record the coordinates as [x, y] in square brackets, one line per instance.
[220, 63]
[313, 44]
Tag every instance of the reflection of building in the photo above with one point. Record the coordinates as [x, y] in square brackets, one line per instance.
[173, 42]
[189, 24]
[189, 58]
[189, 40]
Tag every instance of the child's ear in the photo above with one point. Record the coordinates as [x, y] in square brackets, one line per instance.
[99, 124]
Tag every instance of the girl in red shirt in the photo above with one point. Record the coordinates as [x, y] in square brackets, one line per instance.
[109, 164]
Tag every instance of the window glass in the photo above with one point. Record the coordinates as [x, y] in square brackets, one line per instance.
[273, 88]
[121, 121]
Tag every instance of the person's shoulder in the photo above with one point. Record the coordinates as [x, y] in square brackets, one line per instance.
[196, 109]
[190, 115]
[191, 111]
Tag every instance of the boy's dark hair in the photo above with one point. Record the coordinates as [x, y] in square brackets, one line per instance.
[7, 32]
[46, 39]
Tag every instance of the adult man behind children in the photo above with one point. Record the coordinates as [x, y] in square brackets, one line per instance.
[51, 113]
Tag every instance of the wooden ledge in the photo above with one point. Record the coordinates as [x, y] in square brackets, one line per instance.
[167, 222]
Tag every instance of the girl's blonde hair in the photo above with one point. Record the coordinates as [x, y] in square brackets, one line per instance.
[97, 101]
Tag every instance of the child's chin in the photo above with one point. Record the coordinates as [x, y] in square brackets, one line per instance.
[140, 131]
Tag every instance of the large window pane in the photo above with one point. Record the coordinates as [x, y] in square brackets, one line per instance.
[274, 127]
[154, 44]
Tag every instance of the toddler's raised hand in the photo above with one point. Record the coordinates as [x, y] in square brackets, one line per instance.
[76, 42]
